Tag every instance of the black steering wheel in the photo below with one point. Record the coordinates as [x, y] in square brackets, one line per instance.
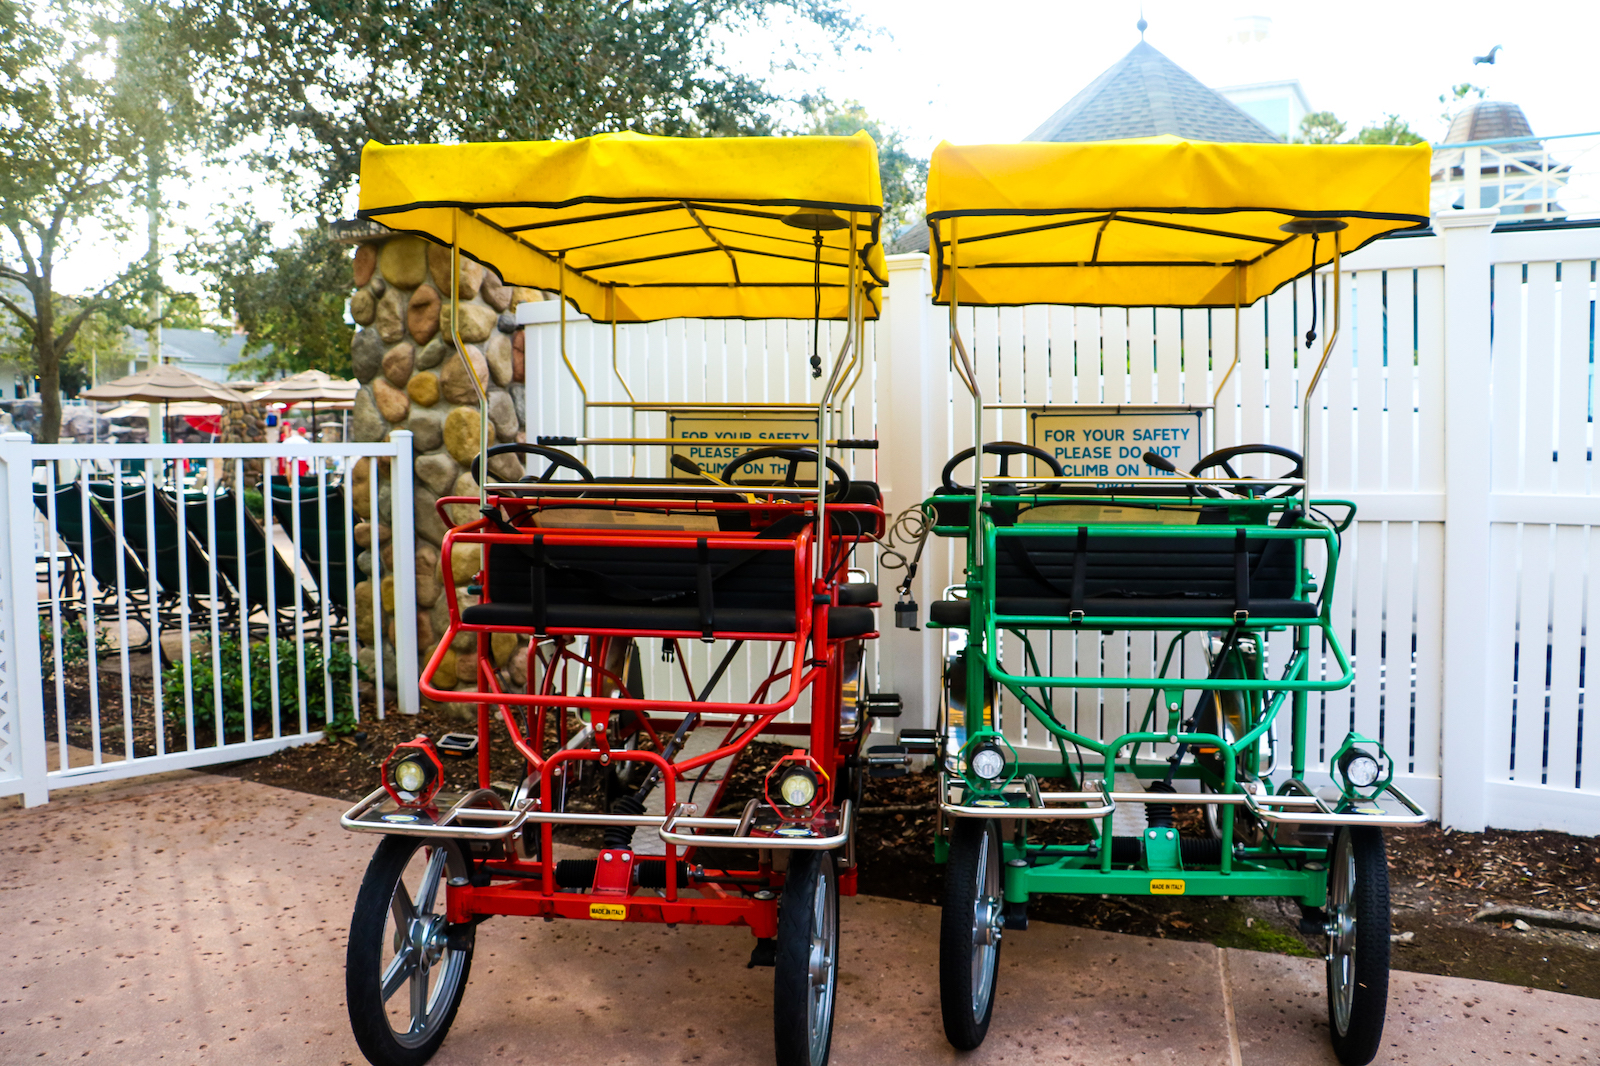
[841, 477]
[1222, 456]
[557, 457]
[1005, 449]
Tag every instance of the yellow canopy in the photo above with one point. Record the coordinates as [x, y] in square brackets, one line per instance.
[1163, 222]
[647, 227]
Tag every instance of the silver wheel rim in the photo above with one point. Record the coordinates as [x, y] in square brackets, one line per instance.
[986, 923]
[822, 963]
[421, 972]
[1341, 931]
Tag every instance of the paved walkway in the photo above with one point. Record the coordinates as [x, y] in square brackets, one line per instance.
[203, 920]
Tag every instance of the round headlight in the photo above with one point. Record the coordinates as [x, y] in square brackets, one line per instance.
[1359, 768]
[988, 761]
[798, 787]
[410, 775]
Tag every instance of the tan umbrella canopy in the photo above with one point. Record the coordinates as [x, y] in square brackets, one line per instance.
[164, 384]
[309, 386]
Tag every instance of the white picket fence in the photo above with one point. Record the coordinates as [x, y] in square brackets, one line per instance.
[1463, 589]
[110, 582]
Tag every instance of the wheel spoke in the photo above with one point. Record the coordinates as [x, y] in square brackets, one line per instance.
[419, 994]
[430, 882]
[400, 906]
[397, 973]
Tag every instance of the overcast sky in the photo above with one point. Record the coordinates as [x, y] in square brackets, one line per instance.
[972, 72]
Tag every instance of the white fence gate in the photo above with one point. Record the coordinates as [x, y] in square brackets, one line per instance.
[1464, 589]
[115, 622]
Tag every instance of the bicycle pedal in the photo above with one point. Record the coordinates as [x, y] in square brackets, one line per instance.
[920, 741]
[887, 760]
[884, 704]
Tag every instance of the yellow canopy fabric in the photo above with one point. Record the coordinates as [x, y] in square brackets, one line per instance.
[1165, 222]
[647, 227]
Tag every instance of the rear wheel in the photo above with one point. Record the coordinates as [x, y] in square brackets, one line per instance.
[1358, 943]
[805, 977]
[969, 933]
[406, 967]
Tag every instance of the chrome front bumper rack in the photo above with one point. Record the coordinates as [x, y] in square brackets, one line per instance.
[377, 813]
[1303, 807]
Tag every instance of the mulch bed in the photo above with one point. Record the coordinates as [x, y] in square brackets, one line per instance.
[1439, 879]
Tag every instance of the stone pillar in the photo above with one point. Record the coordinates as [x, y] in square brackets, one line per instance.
[242, 423]
[412, 377]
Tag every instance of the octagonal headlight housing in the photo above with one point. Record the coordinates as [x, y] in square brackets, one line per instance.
[412, 774]
[795, 785]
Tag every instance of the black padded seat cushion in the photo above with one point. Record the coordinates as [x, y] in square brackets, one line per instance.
[594, 587]
[858, 594]
[1139, 577]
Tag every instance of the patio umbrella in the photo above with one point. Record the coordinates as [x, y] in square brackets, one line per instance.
[164, 384]
[309, 386]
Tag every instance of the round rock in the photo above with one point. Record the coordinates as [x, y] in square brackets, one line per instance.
[501, 358]
[496, 293]
[456, 383]
[403, 262]
[365, 262]
[422, 316]
[461, 435]
[477, 322]
[363, 307]
[366, 354]
[397, 363]
[424, 389]
[392, 403]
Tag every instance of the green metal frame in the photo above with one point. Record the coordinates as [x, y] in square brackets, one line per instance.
[1270, 869]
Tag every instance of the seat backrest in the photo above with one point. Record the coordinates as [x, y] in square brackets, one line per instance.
[579, 574]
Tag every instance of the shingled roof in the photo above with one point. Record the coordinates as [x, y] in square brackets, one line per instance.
[1145, 94]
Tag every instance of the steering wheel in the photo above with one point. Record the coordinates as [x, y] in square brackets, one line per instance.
[1005, 449]
[557, 457]
[796, 456]
[1221, 458]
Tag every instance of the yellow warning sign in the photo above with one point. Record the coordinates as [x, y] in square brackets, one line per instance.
[617, 912]
[1160, 887]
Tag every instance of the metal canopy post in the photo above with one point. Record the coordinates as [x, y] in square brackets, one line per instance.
[1327, 350]
[472, 371]
[969, 377]
[824, 405]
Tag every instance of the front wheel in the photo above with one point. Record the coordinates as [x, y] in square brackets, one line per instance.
[969, 932]
[1358, 943]
[406, 967]
[805, 978]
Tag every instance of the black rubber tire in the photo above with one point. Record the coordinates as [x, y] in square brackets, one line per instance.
[803, 1036]
[371, 944]
[966, 1023]
[1356, 1041]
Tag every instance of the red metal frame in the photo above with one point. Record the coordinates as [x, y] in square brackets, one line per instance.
[527, 887]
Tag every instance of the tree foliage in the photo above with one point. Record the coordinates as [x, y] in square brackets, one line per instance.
[904, 176]
[288, 300]
[314, 80]
[1320, 127]
[1392, 130]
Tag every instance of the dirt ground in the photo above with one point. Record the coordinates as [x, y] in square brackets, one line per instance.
[1439, 879]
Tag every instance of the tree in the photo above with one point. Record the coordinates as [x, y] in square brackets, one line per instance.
[301, 85]
[1320, 127]
[289, 301]
[65, 161]
[314, 80]
[1458, 97]
[904, 176]
[1392, 130]
[76, 124]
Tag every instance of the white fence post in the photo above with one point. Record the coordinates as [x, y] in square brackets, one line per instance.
[911, 400]
[1464, 689]
[21, 677]
[402, 534]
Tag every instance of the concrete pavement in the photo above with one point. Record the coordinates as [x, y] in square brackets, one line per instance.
[202, 919]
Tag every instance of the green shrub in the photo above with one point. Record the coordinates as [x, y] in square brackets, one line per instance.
[74, 645]
[290, 698]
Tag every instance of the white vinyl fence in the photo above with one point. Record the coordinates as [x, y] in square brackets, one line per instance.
[1464, 587]
[154, 619]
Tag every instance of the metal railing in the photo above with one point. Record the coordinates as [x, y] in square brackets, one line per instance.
[184, 613]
